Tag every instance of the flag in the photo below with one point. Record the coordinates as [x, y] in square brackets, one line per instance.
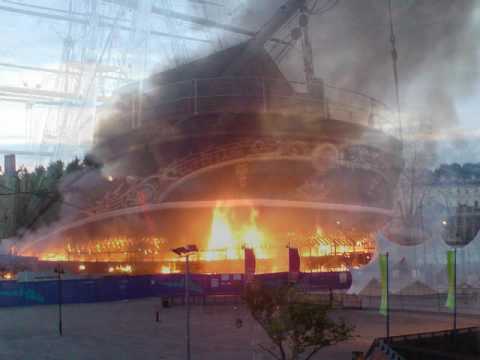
[249, 264]
[293, 264]
[451, 259]
[383, 262]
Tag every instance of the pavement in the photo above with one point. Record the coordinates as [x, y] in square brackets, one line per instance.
[128, 330]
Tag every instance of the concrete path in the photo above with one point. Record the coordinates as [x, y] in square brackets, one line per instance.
[127, 330]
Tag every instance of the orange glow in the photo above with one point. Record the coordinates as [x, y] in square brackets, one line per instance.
[165, 270]
[336, 245]
[57, 256]
[8, 276]
[222, 248]
[221, 243]
[168, 269]
[121, 269]
[226, 241]
[124, 268]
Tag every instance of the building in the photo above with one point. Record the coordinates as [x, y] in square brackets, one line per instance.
[10, 168]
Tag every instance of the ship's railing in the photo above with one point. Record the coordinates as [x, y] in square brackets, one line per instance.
[235, 94]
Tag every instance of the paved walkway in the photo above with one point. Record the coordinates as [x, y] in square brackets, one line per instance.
[127, 330]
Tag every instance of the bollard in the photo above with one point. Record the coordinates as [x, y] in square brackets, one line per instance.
[157, 316]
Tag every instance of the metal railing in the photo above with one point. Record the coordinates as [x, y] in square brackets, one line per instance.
[236, 94]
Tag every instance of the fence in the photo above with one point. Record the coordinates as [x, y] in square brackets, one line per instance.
[466, 303]
[112, 288]
[239, 95]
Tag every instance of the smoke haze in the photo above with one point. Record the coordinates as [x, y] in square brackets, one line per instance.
[436, 44]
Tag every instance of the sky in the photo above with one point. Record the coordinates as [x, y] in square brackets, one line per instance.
[32, 41]
[342, 47]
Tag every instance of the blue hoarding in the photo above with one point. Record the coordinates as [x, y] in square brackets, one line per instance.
[112, 288]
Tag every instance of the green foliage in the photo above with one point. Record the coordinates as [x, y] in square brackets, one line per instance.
[297, 328]
[55, 172]
[33, 199]
[73, 166]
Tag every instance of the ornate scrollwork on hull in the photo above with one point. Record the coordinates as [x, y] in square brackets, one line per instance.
[132, 192]
[324, 159]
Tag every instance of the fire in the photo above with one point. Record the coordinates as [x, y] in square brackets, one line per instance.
[121, 269]
[222, 243]
[8, 276]
[335, 245]
[58, 256]
[254, 238]
[226, 243]
[222, 250]
[168, 269]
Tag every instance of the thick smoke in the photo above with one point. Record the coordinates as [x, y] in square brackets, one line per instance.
[436, 44]
[435, 40]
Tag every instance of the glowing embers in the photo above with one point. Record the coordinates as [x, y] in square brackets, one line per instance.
[111, 249]
[54, 256]
[227, 240]
[126, 269]
[221, 235]
[339, 251]
[7, 276]
[169, 268]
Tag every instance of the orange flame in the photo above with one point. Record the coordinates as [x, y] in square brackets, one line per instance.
[225, 243]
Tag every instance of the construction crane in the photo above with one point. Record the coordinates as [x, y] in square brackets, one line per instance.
[86, 65]
[85, 71]
[257, 42]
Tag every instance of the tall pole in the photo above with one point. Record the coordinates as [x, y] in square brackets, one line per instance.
[187, 304]
[388, 298]
[394, 54]
[60, 325]
[59, 272]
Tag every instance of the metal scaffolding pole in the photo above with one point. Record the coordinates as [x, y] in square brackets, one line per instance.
[102, 23]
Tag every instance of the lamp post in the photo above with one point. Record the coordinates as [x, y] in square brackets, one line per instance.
[186, 251]
[59, 270]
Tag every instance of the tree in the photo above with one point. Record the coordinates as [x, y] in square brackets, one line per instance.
[35, 198]
[55, 171]
[73, 166]
[298, 329]
[89, 161]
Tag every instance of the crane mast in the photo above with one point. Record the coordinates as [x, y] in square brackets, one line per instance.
[307, 50]
[76, 86]
[257, 43]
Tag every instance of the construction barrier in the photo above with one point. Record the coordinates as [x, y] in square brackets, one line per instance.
[112, 288]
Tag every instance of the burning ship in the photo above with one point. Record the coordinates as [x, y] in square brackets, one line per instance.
[226, 153]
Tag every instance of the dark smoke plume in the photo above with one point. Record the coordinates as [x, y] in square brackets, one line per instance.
[436, 43]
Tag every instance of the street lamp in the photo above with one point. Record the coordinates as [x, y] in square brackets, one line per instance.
[59, 270]
[186, 251]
